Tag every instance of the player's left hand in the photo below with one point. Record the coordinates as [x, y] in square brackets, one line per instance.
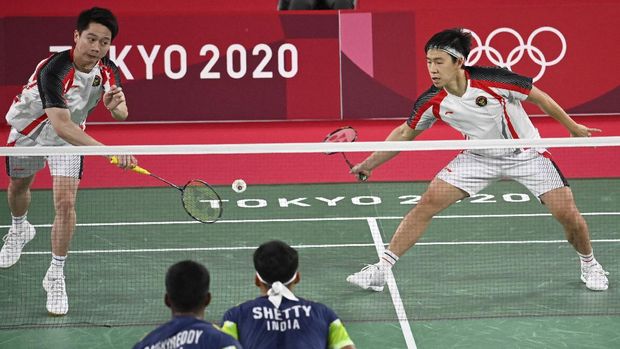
[583, 131]
[113, 97]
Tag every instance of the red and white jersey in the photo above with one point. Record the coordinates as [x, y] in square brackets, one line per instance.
[490, 108]
[57, 84]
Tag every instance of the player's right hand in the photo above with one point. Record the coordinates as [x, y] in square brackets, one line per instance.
[360, 172]
[124, 161]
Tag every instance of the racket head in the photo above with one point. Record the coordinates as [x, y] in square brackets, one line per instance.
[346, 134]
[201, 201]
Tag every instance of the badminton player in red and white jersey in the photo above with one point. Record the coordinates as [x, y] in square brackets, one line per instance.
[481, 103]
[51, 110]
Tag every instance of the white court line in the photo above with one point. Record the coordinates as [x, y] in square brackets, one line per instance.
[321, 219]
[396, 300]
[186, 249]
[438, 243]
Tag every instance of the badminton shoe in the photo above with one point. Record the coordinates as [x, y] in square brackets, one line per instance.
[14, 242]
[371, 277]
[57, 300]
[594, 277]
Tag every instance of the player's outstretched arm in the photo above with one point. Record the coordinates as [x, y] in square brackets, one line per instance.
[114, 101]
[553, 109]
[400, 133]
[67, 129]
[73, 134]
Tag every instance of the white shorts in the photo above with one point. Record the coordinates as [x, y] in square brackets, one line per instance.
[472, 173]
[26, 166]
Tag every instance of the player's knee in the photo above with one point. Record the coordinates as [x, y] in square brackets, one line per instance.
[19, 185]
[430, 204]
[64, 204]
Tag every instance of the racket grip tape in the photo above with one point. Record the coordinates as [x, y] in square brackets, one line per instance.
[136, 169]
[362, 177]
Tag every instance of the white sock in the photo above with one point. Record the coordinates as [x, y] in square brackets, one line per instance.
[57, 266]
[19, 220]
[388, 259]
[587, 260]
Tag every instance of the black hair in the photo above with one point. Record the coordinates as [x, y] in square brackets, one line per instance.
[455, 38]
[187, 285]
[99, 15]
[276, 261]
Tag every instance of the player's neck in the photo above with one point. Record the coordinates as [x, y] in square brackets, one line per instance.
[83, 67]
[264, 289]
[458, 86]
[197, 315]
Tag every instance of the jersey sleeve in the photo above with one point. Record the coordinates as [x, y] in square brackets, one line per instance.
[229, 322]
[111, 74]
[422, 117]
[51, 79]
[510, 85]
[228, 342]
[337, 337]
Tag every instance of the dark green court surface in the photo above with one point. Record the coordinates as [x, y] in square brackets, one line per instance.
[492, 271]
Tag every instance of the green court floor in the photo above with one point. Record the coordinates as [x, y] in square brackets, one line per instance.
[492, 271]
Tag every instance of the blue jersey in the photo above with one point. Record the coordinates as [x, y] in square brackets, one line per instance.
[301, 324]
[187, 332]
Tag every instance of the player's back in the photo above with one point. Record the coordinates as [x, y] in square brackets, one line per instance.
[301, 324]
[188, 332]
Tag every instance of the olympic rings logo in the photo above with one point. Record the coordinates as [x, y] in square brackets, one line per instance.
[515, 56]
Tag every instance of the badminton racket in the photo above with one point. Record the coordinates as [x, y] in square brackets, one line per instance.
[200, 200]
[345, 134]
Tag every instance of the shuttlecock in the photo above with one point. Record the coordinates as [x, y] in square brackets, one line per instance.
[239, 186]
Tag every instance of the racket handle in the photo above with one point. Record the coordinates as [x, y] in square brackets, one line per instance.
[136, 169]
[362, 177]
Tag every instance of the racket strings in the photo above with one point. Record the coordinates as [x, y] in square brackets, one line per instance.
[201, 201]
[345, 134]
